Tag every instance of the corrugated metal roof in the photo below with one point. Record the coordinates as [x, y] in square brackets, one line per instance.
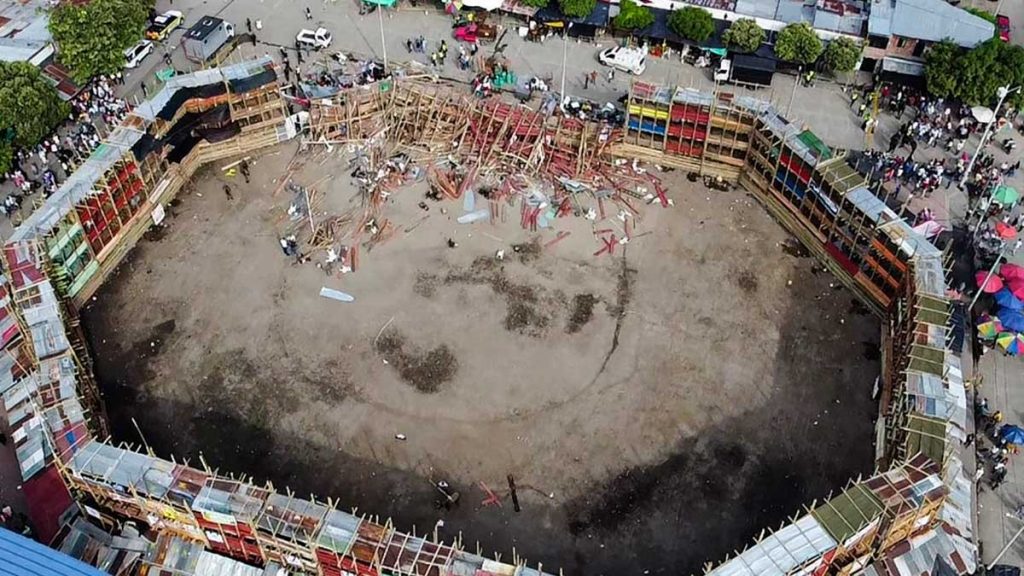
[936, 20]
[918, 555]
[20, 556]
[781, 552]
[880, 17]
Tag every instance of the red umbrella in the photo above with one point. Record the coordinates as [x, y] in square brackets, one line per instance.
[994, 284]
[1008, 271]
[1005, 231]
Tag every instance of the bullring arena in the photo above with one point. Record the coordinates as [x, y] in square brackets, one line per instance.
[518, 337]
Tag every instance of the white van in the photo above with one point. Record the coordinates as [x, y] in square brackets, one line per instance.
[632, 60]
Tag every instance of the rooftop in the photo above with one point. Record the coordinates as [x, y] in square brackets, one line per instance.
[24, 29]
[931, 20]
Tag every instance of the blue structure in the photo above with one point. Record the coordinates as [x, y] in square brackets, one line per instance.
[20, 556]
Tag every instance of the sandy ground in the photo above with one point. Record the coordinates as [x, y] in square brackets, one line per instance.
[657, 407]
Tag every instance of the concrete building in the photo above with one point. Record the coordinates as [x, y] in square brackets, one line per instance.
[900, 31]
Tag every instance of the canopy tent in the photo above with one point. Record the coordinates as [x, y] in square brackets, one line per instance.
[487, 5]
[383, 3]
[1005, 195]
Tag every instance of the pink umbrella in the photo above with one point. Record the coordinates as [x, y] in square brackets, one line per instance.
[1016, 286]
[993, 285]
[1008, 271]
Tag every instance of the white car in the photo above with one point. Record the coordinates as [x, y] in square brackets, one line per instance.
[318, 39]
[632, 60]
[724, 68]
[136, 54]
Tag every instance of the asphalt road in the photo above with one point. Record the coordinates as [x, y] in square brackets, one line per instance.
[824, 106]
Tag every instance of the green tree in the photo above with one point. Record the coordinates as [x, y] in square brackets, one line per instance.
[29, 108]
[535, 3]
[798, 43]
[632, 16]
[744, 35]
[941, 68]
[6, 157]
[93, 37]
[577, 8]
[841, 55]
[692, 23]
[987, 67]
[984, 15]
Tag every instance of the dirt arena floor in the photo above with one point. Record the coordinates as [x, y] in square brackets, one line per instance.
[657, 408]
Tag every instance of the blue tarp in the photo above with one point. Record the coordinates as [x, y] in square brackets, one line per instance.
[20, 556]
[1006, 299]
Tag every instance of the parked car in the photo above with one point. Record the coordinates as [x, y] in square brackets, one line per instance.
[1003, 27]
[136, 54]
[632, 60]
[318, 39]
[164, 24]
[724, 68]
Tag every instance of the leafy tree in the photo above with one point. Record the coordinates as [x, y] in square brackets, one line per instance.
[984, 15]
[744, 35]
[6, 157]
[29, 108]
[987, 67]
[941, 68]
[535, 3]
[692, 23]
[798, 43]
[93, 36]
[632, 16]
[842, 54]
[577, 8]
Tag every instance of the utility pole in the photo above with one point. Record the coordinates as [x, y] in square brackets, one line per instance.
[991, 272]
[792, 96]
[1003, 92]
[383, 43]
[565, 50]
[1008, 544]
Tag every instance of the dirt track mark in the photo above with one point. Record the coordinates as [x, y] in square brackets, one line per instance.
[623, 295]
[424, 371]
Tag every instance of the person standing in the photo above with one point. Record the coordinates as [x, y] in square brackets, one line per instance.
[586, 81]
[248, 25]
[244, 167]
[309, 13]
[227, 192]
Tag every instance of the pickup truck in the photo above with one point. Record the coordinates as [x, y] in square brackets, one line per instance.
[320, 38]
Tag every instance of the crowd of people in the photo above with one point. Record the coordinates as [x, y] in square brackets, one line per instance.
[43, 167]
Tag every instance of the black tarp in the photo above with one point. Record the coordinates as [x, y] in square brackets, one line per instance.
[184, 94]
[219, 134]
[754, 63]
[146, 146]
[182, 149]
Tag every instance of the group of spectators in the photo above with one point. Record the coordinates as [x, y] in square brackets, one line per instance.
[44, 166]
